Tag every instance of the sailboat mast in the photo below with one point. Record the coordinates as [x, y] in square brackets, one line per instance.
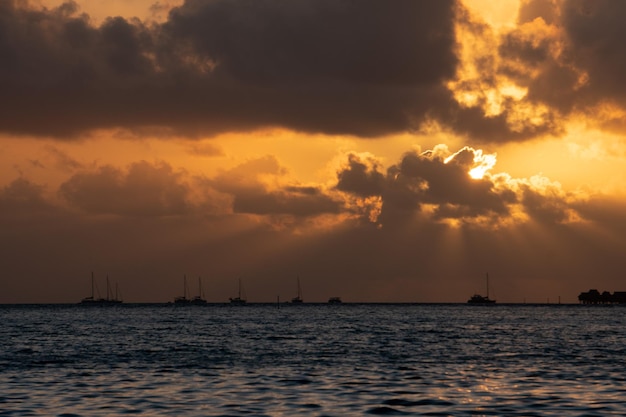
[92, 285]
[299, 289]
[487, 279]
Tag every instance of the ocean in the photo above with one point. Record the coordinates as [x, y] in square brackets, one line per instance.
[312, 360]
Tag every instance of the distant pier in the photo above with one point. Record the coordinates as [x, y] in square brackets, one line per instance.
[595, 297]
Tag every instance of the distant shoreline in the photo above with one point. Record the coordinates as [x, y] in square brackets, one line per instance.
[309, 304]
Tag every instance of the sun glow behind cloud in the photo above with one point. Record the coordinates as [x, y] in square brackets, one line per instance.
[476, 44]
[482, 163]
[580, 139]
[360, 190]
[484, 78]
[501, 15]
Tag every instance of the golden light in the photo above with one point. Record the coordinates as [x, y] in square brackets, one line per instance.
[482, 162]
[498, 14]
[481, 79]
[99, 10]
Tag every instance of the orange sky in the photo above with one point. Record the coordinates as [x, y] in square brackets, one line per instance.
[224, 142]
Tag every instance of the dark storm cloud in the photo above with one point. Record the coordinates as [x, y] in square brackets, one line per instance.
[595, 32]
[450, 182]
[366, 67]
[362, 178]
[427, 179]
[363, 42]
[59, 75]
[436, 185]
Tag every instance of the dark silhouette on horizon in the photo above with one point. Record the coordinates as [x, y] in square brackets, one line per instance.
[196, 300]
[482, 299]
[298, 298]
[241, 296]
[594, 296]
[109, 300]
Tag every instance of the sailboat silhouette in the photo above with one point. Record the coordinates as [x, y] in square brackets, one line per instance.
[482, 299]
[298, 298]
[241, 297]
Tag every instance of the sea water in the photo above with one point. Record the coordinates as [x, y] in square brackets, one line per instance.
[318, 360]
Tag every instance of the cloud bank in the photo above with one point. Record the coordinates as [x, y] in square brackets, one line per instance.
[333, 67]
[213, 66]
[391, 230]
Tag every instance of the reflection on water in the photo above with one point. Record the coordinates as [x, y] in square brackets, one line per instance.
[312, 360]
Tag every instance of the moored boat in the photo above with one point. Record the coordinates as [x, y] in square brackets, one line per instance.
[241, 297]
[110, 298]
[183, 298]
[482, 299]
[198, 299]
[298, 298]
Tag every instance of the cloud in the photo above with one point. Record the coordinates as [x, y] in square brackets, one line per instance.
[435, 231]
[361, 176]
[205, 150]
[286, 202]
[257, 187]
[458, 188]
[23, 198]
[319, 66]
[62, 160]
[360, 43]
[492, 87]
[547, 10]
[563, 61]
[329, 66]
[454, 188]
[144, 190]
[594, 31]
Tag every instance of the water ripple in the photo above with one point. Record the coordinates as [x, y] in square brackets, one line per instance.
[350, 360]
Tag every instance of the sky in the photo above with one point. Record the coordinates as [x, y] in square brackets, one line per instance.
[376, 151]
